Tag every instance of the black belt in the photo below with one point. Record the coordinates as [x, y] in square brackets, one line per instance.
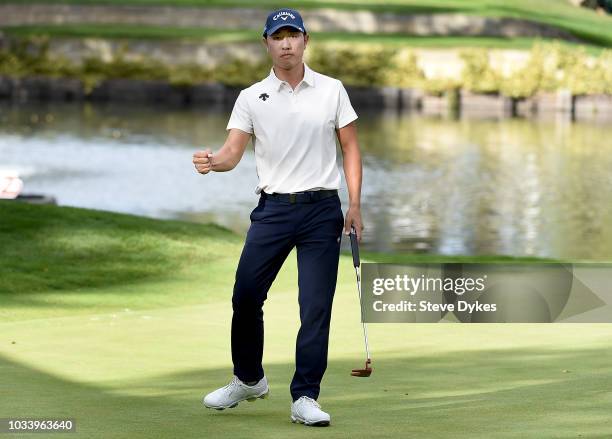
[302, 197]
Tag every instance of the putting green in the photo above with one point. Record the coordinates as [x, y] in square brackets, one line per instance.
[141, 373]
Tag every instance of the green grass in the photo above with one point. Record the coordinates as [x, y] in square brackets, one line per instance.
[69, 259]
[581, 22]
[57, 260]
[122, 323]
[246, 36]
[410, 258]
[140, 32]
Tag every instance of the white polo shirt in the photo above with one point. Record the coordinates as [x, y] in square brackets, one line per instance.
[294, 130]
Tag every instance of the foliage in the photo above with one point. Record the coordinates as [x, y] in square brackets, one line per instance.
[238, 72]
[363, 67]
[554, 67]
[30, 56]
[478, 75]
[549, 67]
[404, 70]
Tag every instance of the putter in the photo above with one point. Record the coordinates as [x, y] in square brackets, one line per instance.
[367, 371]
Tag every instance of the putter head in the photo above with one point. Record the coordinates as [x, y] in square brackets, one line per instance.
[366, 372]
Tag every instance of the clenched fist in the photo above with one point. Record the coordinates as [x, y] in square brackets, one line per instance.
[203, 161]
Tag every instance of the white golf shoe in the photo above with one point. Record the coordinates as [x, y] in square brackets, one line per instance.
[307, 411]
[230, 395]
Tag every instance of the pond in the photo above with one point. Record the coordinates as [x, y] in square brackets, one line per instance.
[431, 185]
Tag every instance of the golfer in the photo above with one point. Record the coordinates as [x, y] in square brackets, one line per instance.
[293, 116]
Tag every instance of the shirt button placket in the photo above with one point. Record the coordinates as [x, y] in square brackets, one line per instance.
[293, 99]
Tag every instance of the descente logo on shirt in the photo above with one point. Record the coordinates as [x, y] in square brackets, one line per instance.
[264, 96]
[283, 16]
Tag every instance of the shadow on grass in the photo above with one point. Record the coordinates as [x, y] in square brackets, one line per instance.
[55, 249]
[587, 30]
[496, 393]
[380, 7]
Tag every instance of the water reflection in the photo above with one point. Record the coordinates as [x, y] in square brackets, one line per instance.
[511, 187]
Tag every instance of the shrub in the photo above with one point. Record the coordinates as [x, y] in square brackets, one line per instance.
[527, 80]
[239, 72]
[30, 56]
[550, 67]
[359, 65]
[478, 75]
[404, 71]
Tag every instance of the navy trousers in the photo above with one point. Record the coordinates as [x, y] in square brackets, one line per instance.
[315, 229]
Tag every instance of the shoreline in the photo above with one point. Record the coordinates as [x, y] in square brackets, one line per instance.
[69, 214]
[453, 103]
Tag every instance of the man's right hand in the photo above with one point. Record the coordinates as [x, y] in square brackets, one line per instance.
[203, 161]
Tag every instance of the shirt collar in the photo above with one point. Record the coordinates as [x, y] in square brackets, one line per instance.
[308, 78]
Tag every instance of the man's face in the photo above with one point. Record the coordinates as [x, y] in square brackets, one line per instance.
[286, 47]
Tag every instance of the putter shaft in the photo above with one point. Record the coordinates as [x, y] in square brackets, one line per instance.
[363, 324]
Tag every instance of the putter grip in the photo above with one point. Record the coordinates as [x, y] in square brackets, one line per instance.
[354, 247]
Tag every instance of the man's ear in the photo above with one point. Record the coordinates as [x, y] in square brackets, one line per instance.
[264, 41]
[306, 39]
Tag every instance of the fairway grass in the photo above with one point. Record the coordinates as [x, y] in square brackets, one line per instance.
[129, 352]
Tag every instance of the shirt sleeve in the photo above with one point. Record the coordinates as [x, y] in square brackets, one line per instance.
[241, 116]
[345, 113]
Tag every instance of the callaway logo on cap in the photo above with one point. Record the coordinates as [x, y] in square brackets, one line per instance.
[281, 18]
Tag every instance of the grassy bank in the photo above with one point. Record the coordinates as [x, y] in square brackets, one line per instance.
[246, 36]
[122, 323]
[375, 59]
[583, 23]
[57, 260]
